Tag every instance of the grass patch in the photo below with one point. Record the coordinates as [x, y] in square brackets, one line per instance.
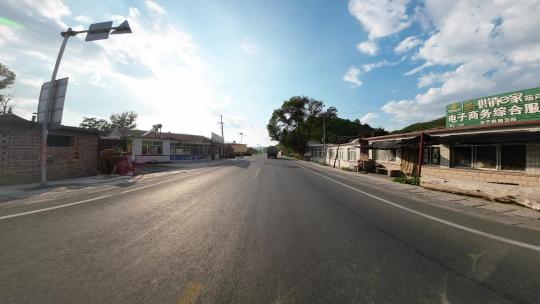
[407, 180]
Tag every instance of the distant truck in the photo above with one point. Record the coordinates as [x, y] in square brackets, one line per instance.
[271, 152]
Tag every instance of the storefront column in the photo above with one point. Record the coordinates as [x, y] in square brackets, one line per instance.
[533, 159]
[445, 156]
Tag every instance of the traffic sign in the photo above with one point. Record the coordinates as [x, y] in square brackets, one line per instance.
[57, 108]
[123, 28]
[99, 31]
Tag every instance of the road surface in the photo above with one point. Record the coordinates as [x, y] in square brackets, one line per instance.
[259, 231]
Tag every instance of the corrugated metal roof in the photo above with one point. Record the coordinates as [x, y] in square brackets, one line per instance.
[15, 120]
[511, 126]
[160, 135]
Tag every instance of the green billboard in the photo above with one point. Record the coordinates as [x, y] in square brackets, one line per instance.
[503, 108]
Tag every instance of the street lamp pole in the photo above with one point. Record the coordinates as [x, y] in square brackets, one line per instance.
[45, 131]
[241, 136]
[97, 31]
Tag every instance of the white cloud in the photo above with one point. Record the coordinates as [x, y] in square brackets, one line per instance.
[162, 77]
[380, 18]
[50, 9]
[155, 8]
[249, 47]
[407, 44]
[369, 118]
[484, 47]
[83, 19]
[352, 76]
[7, 34]
[402, 109]
[368, 47]
[368, 67]
[31, 82]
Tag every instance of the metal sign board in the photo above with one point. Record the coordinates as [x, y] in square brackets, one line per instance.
[514, 106]
[57, 109]
[123, 28]
[99, 31]
[216, 138]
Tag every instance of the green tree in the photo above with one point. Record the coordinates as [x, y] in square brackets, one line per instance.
[7, 78]
[95, 123]
[124, 120]
[295, 121]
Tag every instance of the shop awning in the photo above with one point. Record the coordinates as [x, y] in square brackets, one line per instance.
[490, 138]
[409, 142]
[385, 145]
[413, 142]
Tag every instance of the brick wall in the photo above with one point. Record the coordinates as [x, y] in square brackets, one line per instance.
[488, 176]
[20, 156]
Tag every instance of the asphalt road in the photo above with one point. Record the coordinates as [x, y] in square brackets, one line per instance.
[259, 231]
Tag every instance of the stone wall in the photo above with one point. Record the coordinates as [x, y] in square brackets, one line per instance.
[488, 176]
[20, 156]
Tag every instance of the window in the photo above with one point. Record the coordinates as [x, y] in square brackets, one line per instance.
[486, 157]
[385, 155]
[462, 156]
[352, 154]
[513, 157]
[330, 153]
[58, 141]
[152, 147]
[432, 155]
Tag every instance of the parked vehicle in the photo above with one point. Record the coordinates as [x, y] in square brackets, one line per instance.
[271, 152]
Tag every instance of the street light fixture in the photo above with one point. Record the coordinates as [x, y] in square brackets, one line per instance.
[97, 31]
[241, 136]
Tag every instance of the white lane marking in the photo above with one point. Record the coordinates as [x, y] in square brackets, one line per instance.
[451, 224]
[55, 207]
[100, 197]
[259, 171]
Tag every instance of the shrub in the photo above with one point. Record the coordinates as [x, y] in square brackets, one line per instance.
[408, 180]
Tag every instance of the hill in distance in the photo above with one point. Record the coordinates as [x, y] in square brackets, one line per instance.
[421, 126]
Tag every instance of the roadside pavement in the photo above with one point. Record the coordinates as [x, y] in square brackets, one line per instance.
[510, 214]
[34, 193]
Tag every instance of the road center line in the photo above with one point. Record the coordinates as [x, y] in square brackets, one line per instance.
[101, 197]
[433, 218]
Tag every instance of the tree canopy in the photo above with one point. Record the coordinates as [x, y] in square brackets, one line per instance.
[294, 123]
[124, 120]
[7, 78]
[95, 124]
[300, 120]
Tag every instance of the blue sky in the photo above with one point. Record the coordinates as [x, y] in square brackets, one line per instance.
[388, 63]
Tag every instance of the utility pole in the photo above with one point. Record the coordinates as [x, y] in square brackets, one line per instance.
[420, 154]
[324, 135]
[220, 123]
